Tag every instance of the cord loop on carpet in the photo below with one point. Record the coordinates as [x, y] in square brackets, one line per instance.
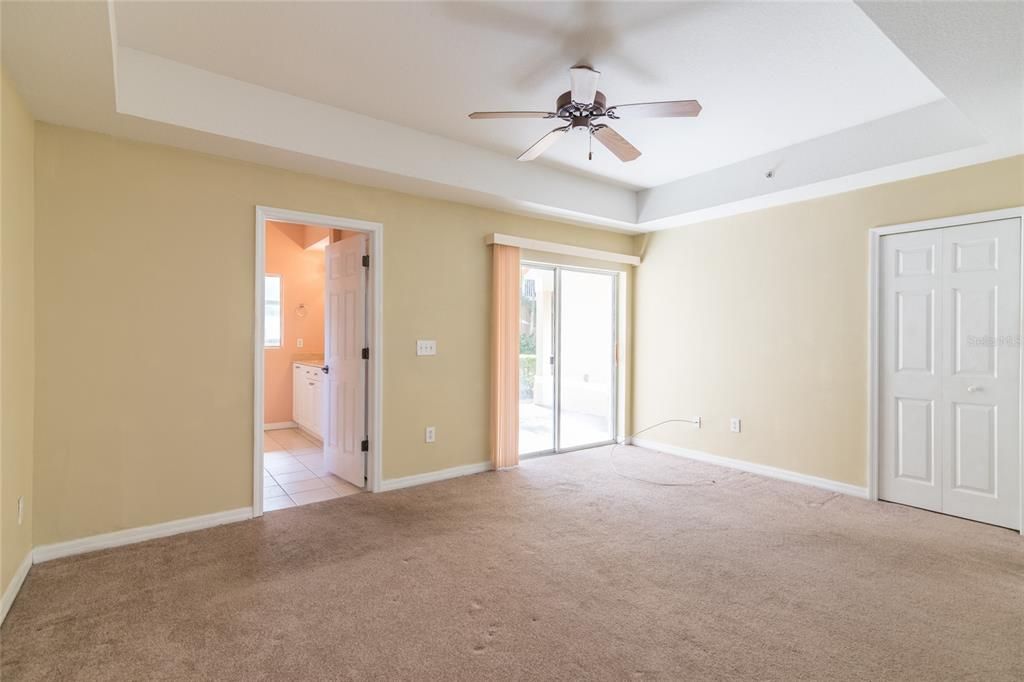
[681, 420]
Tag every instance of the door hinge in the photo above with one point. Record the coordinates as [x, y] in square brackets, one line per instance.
[364, 446]
[366, 261]
[366, 354]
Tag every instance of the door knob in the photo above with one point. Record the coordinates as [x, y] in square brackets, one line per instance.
[973, 389]
[325, 369]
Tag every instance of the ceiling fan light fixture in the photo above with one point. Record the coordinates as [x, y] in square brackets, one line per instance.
[584, 84]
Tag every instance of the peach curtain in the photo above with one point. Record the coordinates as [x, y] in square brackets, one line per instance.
[505, 358]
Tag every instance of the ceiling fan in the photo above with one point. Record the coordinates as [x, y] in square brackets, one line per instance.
[583, 105]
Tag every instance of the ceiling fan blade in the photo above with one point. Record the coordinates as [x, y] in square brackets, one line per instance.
[584, 84]
[616, 144]
[542, 145]
[677, 108]
[512, 114]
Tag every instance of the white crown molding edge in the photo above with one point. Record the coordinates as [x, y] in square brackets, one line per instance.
[563, 249]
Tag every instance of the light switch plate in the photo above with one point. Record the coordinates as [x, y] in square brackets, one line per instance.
[426, 347]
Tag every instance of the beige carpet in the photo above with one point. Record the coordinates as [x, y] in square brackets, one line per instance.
[560, 570]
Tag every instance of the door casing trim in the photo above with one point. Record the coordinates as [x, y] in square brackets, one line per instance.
[875, 235]
[375, 232]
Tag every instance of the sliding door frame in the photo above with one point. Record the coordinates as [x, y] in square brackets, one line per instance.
[556, 330]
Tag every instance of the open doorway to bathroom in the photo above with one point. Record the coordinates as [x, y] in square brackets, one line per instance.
[314, 375]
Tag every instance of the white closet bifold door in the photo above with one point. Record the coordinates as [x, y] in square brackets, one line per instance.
[949, 414]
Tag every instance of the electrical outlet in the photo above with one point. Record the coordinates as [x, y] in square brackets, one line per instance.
[431, 434]
[298, 343]
[21, 508]
[426, 347]
[734, 424]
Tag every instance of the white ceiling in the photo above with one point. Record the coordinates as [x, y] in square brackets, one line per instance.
[830, 95]
[767, 75]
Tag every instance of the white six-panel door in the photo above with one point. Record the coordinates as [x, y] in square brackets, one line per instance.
[344, 421]
[909, 457]
[949, 381]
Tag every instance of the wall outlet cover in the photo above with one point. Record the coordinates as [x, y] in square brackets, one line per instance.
[298, 342]
[431, 434]
[21, 508]
[426, 347]
[734, 424]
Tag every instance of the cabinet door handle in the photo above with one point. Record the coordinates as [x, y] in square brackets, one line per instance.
[973, 389]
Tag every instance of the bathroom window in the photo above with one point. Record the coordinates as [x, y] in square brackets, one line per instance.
[272, 330]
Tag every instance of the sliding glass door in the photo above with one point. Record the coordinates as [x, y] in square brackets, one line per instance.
[567, 365]
[586, 367]
[537, 359]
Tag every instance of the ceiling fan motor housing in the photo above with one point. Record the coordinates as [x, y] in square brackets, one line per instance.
[579, 114]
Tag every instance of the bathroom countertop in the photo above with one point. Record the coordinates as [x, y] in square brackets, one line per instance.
[313, 361]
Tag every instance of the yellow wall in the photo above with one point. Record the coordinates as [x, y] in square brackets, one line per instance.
[17, 359]
[764, 316]
[144, 408]
[144, 401]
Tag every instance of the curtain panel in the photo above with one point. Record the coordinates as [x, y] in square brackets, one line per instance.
[505, 358]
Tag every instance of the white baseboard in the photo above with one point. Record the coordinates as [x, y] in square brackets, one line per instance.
[274, 426]
[309, 434]
[132, 535]
[434, 476]
[11, 593]
[751, 467]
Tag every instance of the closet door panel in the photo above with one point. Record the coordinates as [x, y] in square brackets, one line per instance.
[981, 371]
[910, 388]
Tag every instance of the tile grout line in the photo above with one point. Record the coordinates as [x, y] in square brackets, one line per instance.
[315, 476]
[326, 483]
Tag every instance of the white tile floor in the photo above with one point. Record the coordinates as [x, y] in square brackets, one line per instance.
[294, 473]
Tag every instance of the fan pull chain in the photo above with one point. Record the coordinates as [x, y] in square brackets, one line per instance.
[590, 144]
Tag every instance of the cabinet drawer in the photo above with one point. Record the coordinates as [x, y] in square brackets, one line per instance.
[308, 372]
